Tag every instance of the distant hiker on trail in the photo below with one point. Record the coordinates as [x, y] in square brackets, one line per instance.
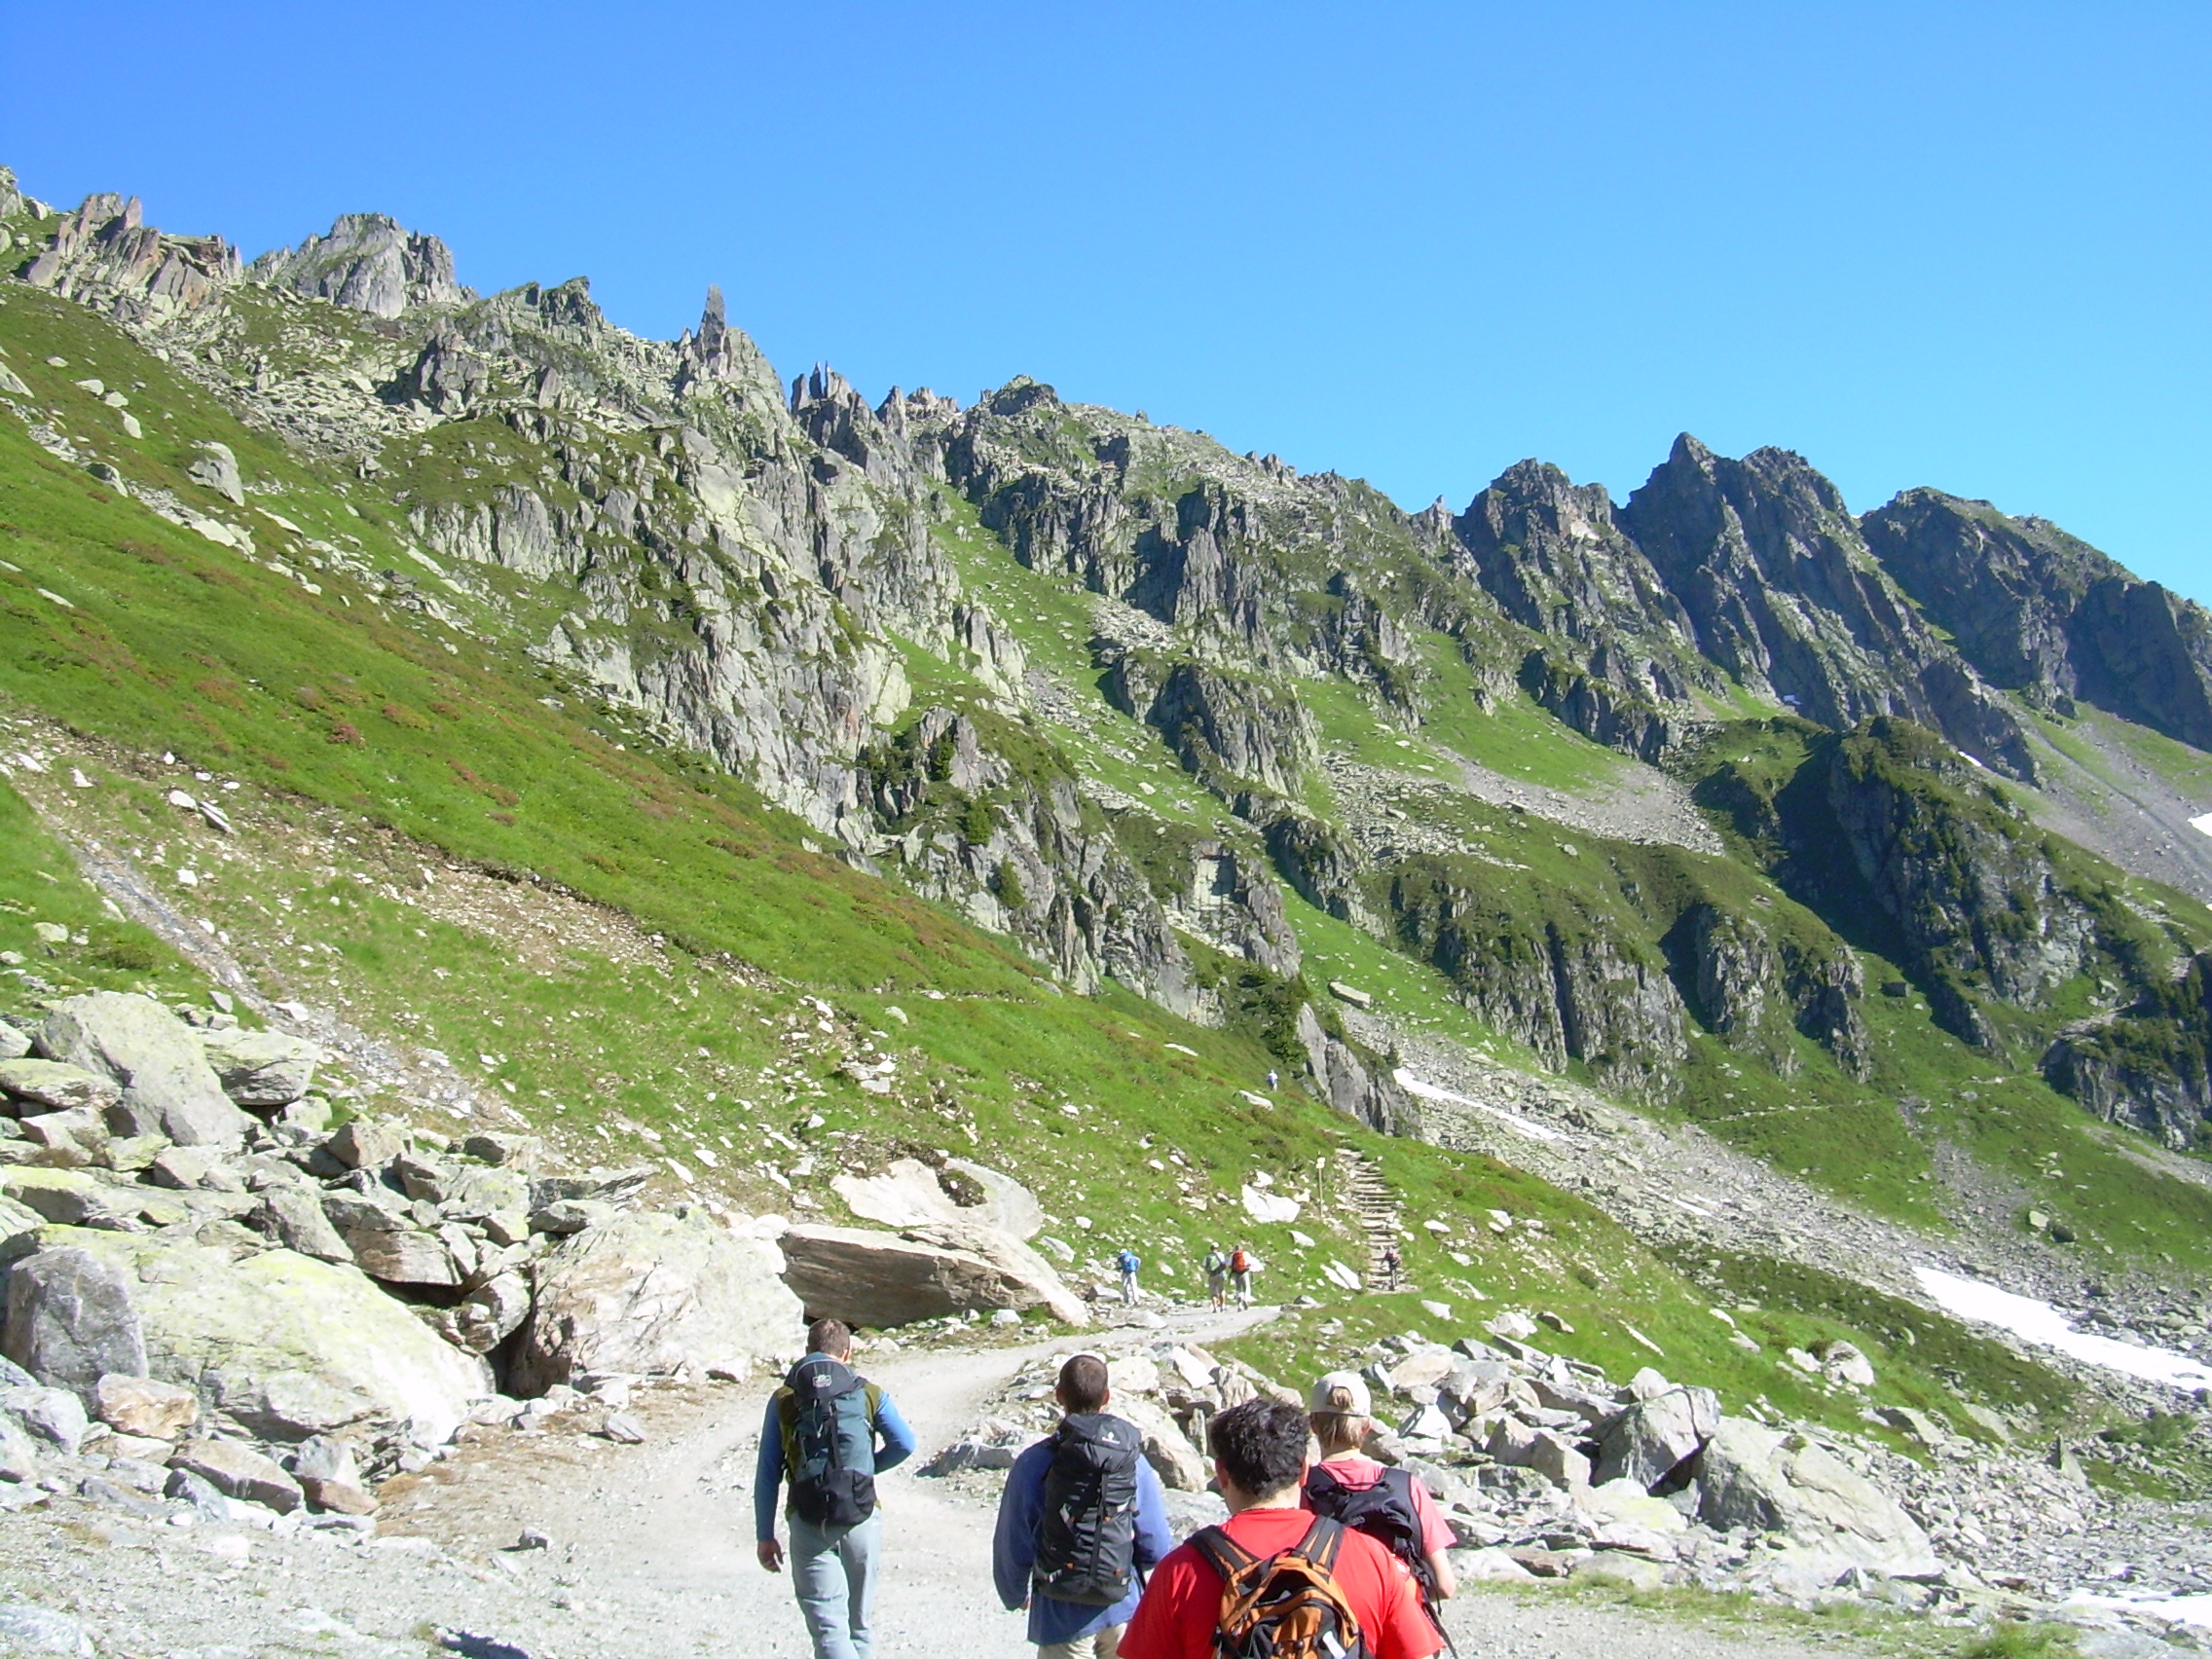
[1082, 1520]
[1274, 1079]
[1217, 1276]
[1275, 1579]
[1392, 1265]
[820, 1432]
[1128, 1263]
[1392, 1506]
[1241, 1266]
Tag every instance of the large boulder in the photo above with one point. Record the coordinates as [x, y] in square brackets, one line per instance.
[262, 1068]
[73, 1318]
[884, 1279]
[912, 1194]
[76, 1198]
[283, 1344]
[1753, 1476]
[410, 1255]
[652, 1292]
[1654, 1437]
[168, 1085]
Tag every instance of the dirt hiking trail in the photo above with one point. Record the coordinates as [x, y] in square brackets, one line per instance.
[651, 1553]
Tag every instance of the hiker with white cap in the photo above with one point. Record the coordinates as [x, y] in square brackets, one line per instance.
[1389, 1505]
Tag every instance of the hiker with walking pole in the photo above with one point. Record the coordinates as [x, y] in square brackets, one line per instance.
[1081, 1520]
[821, 1432]
[1275, 1580]
[1392, 1506]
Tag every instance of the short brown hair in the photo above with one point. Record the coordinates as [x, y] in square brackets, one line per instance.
[830, 1336]
[1083, 1382]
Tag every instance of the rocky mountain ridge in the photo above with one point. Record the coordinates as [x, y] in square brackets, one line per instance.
[815, 592]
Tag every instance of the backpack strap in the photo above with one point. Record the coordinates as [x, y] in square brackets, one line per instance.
[1223, 1552]
[1322, 1542]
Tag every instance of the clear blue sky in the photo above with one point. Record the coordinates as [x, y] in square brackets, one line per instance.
[1959, 246]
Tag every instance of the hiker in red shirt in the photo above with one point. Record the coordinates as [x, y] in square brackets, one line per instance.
[1274, 1577]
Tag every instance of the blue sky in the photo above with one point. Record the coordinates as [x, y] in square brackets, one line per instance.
[1958, 245]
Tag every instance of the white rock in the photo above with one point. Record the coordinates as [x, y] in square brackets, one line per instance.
[1263, 1205]
[646, 1293]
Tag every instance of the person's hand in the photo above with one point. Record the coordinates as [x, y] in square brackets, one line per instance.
[771, 1554]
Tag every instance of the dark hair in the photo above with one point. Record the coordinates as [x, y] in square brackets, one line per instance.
[1260, 1445]
[829, 1337]
[1083, 1382]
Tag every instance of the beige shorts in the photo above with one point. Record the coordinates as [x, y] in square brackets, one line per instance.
[1104, 1645]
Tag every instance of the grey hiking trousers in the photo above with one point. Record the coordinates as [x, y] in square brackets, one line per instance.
[833, 1577]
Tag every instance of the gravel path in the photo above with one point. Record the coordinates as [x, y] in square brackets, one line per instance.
[651, 1554]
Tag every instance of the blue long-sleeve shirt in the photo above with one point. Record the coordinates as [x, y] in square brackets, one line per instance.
[1021, 1527]
[897, 1445]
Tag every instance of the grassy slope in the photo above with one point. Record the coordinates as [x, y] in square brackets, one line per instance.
[424, 738]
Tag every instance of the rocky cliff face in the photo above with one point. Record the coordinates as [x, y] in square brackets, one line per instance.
[1752, 989]
[2149, 1065]
[1619, 649]
[1568, 987]
[1786, 599]
[2042, 612]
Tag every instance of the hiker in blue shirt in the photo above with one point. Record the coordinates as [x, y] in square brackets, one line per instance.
[1081, 1520]
[1127, 1263]
[822, 1430]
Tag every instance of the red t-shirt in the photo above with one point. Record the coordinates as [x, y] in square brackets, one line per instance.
[1182, 1602]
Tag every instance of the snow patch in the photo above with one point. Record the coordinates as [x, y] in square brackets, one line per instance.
[2041, 1323]
[2203, 823]
[1414, 1086]
[2177, 1610]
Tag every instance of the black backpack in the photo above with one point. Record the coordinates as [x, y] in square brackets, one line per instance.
[1385, 1512]
[1087, 1550]
[827, 1416]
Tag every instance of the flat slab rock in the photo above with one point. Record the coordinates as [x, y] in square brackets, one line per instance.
[885, 1279]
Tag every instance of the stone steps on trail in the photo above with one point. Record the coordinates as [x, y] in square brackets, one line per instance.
[1368, 1197]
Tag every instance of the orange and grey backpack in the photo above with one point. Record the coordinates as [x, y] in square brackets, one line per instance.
[1286, 1605]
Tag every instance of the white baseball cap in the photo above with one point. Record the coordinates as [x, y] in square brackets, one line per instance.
[1358, 1403]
